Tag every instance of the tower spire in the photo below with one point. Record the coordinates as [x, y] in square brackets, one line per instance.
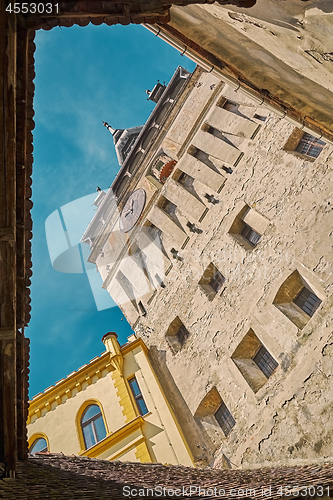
[123, 139]
[112, 130]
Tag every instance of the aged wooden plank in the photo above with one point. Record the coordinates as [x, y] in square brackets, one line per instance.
[8, 358]
[8, 248]
[7, 334]
[21, 171]
[7, 233]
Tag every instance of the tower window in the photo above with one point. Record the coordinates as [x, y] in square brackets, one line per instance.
[265, 362]
[307, 301]
[215, 416]
[177, 335]
[304, 144]
[138, 396]
[310, 145]
[167, 206]
[254, 361]
[182, 335]
[224, 419]
[260, 117]
[159, 165]
[184, 179]
[142, 309]
[212, 281]
[248, 227]
[296, 299]
[250, 235]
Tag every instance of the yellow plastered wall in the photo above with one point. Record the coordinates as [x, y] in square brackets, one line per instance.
[124, 397]
[59, 423]
[164, 440]
[142, 453]
[151, 438]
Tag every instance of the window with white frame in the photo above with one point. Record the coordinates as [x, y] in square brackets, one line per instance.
[92, 425]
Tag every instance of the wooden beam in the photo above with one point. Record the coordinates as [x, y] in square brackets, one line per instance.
[7, 333]
[7, 234]
[7, 248]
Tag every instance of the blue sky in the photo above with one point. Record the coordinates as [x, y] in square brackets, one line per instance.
[83, 76]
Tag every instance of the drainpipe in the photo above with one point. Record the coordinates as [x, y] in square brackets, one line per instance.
[233, 82]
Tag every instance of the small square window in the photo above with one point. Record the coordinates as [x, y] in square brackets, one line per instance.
[214, 416]
[310, 145]
[296, 300]
[231, 106]
[254, 361]
[250, 235]
[212, 281]
[184, 179]
[167, 206]
[265, 362]
[177, 335]
[142, 309]
[248, 227]
[182, 335]
[224, 419]
[307, 301]
[260, 117]
[217, 281]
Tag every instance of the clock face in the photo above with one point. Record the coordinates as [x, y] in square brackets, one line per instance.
[132, 210]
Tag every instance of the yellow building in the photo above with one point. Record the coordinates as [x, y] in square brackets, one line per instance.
[112, 408]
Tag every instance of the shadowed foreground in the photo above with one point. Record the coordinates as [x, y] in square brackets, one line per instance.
[56, 476]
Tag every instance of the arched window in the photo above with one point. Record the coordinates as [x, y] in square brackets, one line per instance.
[92, 424]
[39, 445]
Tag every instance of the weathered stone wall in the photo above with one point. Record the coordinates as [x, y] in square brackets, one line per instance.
[239, 172]
[279, 423]
[302, 427]
[284, 48]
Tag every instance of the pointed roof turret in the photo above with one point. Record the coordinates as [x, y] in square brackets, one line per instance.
[124, 140]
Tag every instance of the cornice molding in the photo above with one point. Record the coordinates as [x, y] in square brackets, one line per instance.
[114, 438]
[75, 379]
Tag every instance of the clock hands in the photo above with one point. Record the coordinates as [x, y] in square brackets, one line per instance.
[130, 211]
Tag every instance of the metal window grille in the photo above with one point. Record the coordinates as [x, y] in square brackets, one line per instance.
[182, 335]
[138, 396]
[250, 235]
[224, 419]
[265, 362]
[307, 301]
[310, 145]
[217, 281]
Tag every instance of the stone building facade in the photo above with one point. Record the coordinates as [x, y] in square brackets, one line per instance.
[111, 408]
[216, 243]
[281, 52]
